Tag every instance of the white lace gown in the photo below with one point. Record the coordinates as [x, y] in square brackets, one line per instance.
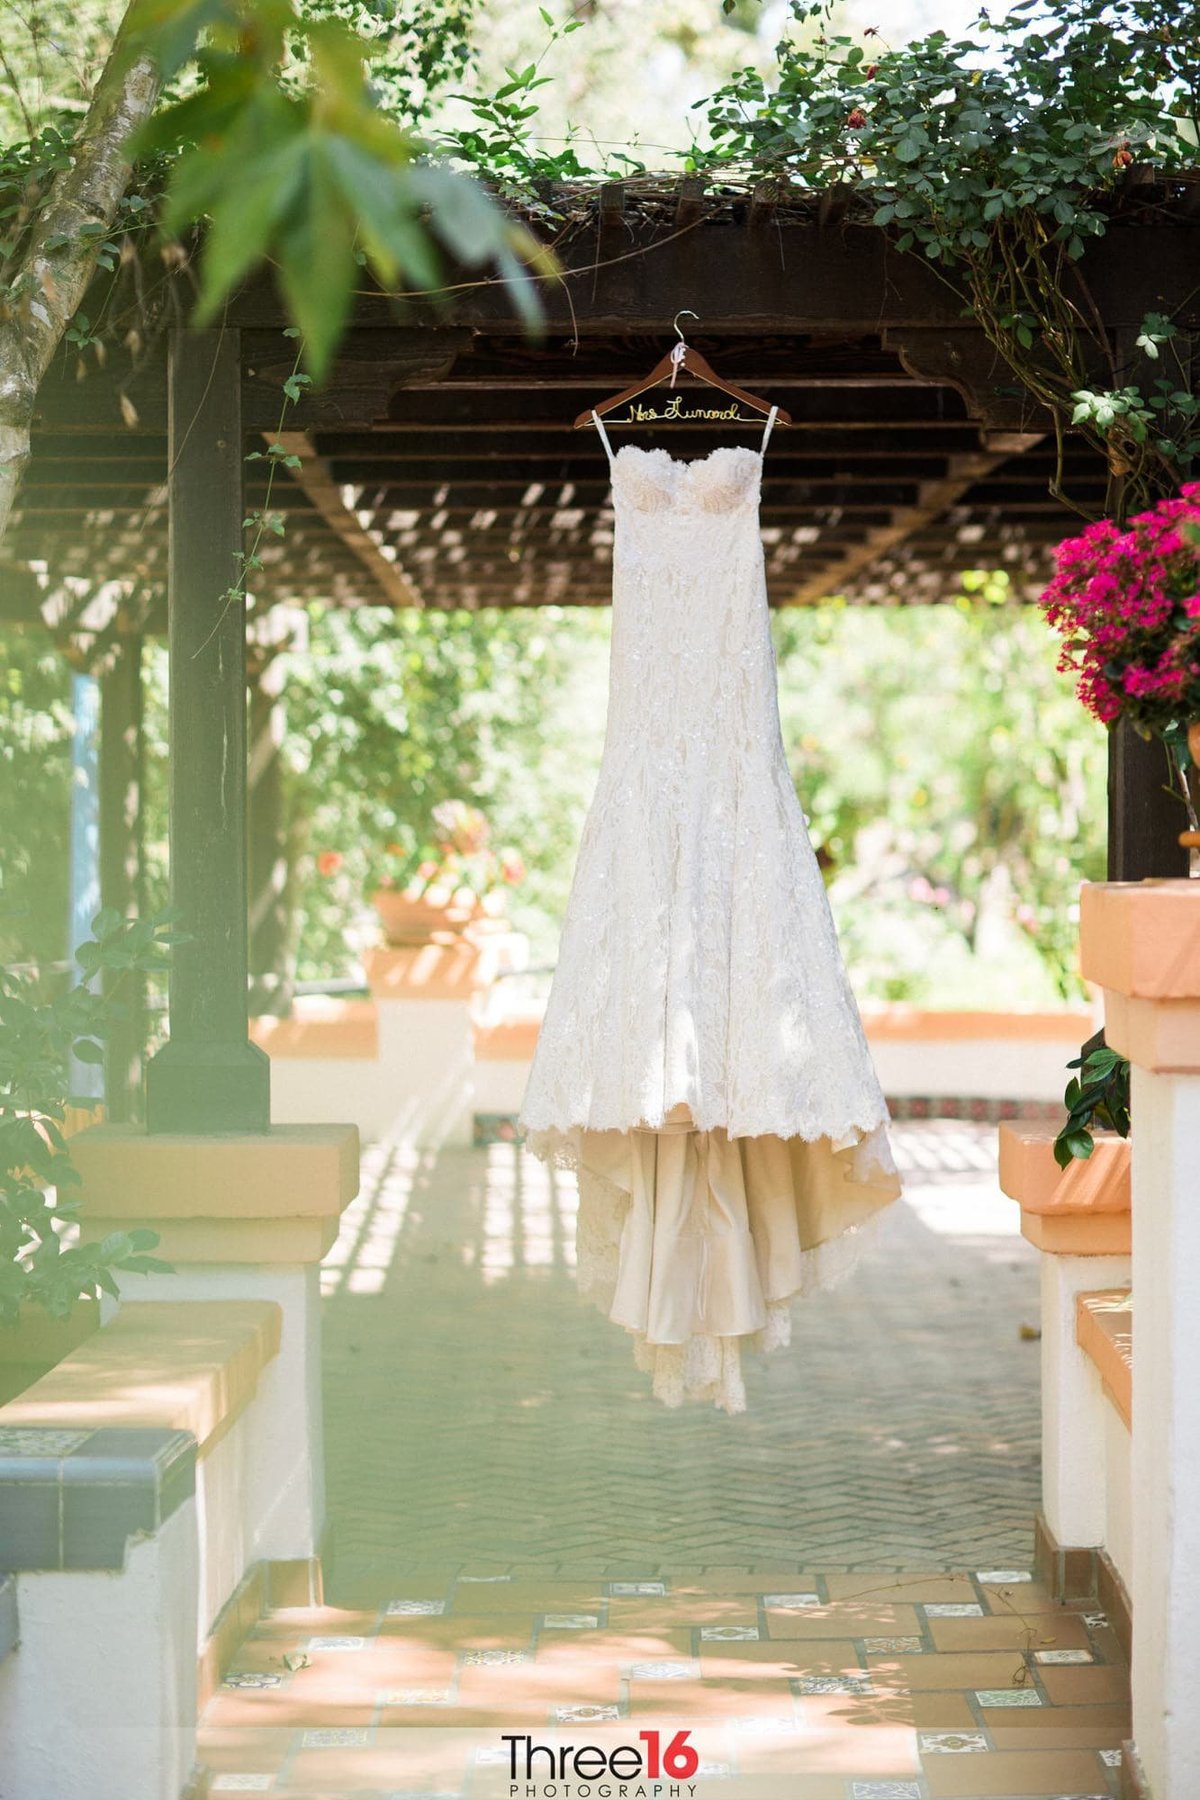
[702, 1063]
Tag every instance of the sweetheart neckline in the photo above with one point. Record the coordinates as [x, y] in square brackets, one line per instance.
[697, 462]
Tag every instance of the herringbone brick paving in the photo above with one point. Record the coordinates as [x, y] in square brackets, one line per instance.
[527, 1543]
[481, 1419]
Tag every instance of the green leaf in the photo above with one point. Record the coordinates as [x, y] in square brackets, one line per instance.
[316, 261]
[245, 217]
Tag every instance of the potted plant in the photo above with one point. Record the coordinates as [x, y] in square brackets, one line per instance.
[451, 882]
[1126, 602]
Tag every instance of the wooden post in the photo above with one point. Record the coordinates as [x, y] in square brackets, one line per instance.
[121, 861]
[1145, 812]
[209, 1077]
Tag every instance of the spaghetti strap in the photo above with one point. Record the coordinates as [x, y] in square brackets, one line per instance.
[599, 424]
[762, 448]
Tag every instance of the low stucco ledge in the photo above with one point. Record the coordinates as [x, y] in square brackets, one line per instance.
[181, 1366]
[1140, 940]
[246, 1197]
[1104, 1332]
[1082, 1210]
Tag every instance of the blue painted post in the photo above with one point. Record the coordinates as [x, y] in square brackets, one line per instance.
[87, 1079]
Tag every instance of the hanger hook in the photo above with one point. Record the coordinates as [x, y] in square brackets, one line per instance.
[684, 312]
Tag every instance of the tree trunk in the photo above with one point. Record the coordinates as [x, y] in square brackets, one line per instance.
[48, 284]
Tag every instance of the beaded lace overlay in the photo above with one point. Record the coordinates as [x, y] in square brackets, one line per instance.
[699, 969]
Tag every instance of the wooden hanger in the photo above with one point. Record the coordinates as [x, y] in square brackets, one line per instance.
[681, 358]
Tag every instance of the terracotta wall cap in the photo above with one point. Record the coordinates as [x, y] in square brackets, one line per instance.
[1067, 1025]
[1160, 1035]
[507, 1040]
[183, 1365]
[291, 1171]
[449, 971]
[1030, 1175]
[1104, 1331]
[1079, 1234]
[1142, 938]
[340, 1029]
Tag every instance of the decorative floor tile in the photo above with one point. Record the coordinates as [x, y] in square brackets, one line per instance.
[337, 1643]
[732, 1634]
[570, 1621]
[791, 1602]
[494, 1658]
[990, 1577]
[421, 1794]
[336, 1737]
[630, 1588]
[954, 1609]
[1063, 1656]
[951, 1743]
[665, 1669]
[251, 1678]
[767, 1725]
[885, 1790]
[585, 1715]
[230, 1783]
[911, 1646]
[1010, 1696]
[493, 1756]
[832, 1684]
[416, 1609]
[1095, 1621]
[1111, 1759]
[714, 1771]
[415, 1696]
[480, 1580]
[39, 1440]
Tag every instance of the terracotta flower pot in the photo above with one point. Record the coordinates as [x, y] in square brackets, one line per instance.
[1193, 741]
[406, 920]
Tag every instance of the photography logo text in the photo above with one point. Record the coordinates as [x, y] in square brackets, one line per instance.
[645, 1770]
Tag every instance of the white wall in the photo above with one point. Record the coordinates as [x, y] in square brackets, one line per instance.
[98, 1702]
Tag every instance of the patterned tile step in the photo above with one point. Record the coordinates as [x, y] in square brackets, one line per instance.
[384, 1700]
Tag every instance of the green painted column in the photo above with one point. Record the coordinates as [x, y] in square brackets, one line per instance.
[209, 1077]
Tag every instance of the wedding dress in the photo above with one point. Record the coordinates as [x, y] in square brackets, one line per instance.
[702, 1064]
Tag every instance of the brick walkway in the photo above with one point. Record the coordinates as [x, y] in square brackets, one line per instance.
[480, 1418]
[527, 1543]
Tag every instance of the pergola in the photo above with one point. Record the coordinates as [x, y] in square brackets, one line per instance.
[438, 466]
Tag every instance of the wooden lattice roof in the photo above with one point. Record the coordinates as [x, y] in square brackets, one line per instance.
[439, 466]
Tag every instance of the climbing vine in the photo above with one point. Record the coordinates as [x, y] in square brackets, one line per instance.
[998, 159]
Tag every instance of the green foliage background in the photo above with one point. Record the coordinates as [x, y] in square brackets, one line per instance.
[952, 781]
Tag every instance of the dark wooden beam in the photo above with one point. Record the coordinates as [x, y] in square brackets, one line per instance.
[934, 499]
[208, 1077]
[314, 479]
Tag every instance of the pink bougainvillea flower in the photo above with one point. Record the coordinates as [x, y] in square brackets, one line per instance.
[329, 862]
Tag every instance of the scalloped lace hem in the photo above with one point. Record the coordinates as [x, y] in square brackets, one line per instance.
[696, 1248]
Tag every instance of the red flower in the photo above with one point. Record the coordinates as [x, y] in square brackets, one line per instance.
[872, 71]
[329, 862]
[857, 119]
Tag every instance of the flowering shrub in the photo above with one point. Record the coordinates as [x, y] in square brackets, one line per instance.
[1127, 605]
[458, 864]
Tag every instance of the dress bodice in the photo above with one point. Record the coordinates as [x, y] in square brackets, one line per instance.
[692, 669]
[653, 481]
